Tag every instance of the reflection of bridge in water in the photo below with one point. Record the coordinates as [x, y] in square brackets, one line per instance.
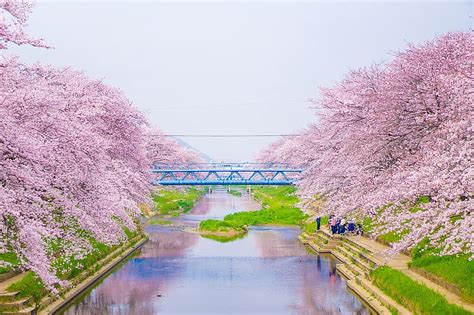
[226, 174]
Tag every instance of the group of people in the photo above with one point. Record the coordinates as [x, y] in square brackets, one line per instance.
[341, 226]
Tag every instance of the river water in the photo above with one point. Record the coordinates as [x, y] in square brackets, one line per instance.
[178, 272]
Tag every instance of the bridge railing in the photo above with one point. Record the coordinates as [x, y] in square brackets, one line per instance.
[222, 174]
[223, 165]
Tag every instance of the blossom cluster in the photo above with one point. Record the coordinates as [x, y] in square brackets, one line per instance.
[75, 159]
[390, 134]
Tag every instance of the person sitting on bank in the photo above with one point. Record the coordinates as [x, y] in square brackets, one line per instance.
[333, 223]
[351, 226]
[360, 229]
[342, 226]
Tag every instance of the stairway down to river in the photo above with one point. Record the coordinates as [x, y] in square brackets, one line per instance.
[357, 263]
[10, 302]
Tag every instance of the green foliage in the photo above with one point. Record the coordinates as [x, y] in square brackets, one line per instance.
[174, 202]
[158, 221]
[30, 286]
[224, 239]
[235, 192]
[416, 297]
[277, 216]
[278, 209]
[276, 196]
[309, 227]
[219, 226]
[11, 258]
[457, 270]
[67, 268]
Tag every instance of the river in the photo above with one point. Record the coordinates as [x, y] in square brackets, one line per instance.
[177, 272]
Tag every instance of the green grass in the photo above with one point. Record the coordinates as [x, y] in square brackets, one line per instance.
[174, 202]
[30, 286]
[457, 270]
[158, 221]
[414, 296]
[235, 192]
[67, 268]
[224, 239]
[219, 226]
[278, 209]
[268, 216]
[11, 259]
[276, 196]
[310, 227]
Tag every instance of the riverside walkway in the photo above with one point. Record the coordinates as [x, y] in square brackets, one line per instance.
[360, 255]
[400, 262]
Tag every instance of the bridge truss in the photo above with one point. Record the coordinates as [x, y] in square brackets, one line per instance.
[225, 174]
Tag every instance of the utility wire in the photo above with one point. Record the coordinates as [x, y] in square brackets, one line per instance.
[225, 136]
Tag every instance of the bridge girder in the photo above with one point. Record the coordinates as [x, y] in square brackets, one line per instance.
[225, 176]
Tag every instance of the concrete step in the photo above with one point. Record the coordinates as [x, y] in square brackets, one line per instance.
[8, 296]
[363, 252]
[384, 299]
[368, 258]
[9, 275]
[321, 238]
[318, 248]
[356, 259]
[25, 311]
[342, 269]
[5, 284]
[356, 270]
[374, 303]
[14, 305]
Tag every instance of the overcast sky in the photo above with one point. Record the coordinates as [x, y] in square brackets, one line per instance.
[231, 68]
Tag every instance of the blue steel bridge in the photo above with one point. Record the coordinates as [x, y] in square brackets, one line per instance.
[225, 174]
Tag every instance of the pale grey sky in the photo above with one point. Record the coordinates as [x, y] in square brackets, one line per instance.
[231, 68]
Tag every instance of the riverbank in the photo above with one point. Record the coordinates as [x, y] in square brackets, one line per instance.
[176, 265]
[50, 305]
[25, 294]
[172, 202]
[387, 284]
[278, 209]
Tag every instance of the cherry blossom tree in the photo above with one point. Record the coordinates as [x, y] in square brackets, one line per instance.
[72, 159]
[13, 20]
[162, 148]
[393, 133]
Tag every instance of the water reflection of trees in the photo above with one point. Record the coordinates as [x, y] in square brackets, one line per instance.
[169, 243]
[134, 288]
[278, 243]
[323, 291]
[223, 203]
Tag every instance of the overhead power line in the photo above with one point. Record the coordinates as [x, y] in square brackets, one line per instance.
[226, 136]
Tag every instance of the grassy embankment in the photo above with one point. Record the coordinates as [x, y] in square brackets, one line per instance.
[68, 268]
[454, 272]
[235, 192]
[173, 202]
[278, 208]
[413, 295]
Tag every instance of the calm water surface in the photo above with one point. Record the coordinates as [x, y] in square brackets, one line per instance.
[266, 272]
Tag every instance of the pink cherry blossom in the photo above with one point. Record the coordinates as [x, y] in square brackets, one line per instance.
[13, 20]
[390, 134]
